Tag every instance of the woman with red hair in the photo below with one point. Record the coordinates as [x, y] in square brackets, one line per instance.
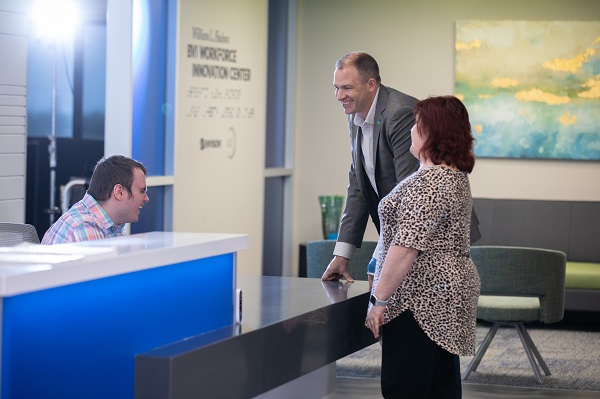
[425, 290]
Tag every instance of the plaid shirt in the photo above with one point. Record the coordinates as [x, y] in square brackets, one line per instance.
[86, 220]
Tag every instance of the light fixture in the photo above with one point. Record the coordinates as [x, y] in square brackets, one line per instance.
[55, 20]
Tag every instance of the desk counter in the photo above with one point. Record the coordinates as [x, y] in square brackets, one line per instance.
[290, 328]
[29, 268]
[75, 315]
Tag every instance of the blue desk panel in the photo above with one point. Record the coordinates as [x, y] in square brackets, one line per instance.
[79, 341]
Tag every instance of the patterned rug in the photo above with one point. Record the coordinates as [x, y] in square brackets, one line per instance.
[573, 358]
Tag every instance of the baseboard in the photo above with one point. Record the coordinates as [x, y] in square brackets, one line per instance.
[582, 300]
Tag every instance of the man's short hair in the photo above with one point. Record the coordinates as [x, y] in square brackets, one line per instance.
[364, 63]
[110, 171]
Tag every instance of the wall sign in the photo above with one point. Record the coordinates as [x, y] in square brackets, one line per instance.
[220, 120]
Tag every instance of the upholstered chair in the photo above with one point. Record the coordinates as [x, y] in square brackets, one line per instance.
[15, 233]
[518, 285]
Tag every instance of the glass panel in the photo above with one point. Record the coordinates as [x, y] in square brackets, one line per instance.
[40, 59]
[276, 85]
[94, 82]
[149, 83]
[273, 226]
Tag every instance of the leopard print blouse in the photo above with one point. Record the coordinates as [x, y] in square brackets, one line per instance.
[431, 211]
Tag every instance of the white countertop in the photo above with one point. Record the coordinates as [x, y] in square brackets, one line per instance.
[29, 268]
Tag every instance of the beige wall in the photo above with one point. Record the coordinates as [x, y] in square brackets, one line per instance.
[413, 42]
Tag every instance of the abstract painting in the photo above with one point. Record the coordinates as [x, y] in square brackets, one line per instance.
[532, 88]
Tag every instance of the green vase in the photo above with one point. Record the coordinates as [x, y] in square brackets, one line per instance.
[331, 212]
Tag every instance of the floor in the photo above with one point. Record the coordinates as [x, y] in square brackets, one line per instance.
[363, 388]
[368, 388]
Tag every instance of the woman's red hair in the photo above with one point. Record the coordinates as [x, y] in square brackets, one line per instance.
[444, 122]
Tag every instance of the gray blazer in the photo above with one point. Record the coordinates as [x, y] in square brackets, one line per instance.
[393, 162]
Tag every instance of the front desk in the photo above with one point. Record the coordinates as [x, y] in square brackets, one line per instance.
[291, 327]
[151, 316]
[75, 315]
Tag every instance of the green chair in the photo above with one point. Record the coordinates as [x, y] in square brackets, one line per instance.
[518, 285]
[319, 254]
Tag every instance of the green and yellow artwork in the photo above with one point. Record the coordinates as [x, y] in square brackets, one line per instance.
[532, 88]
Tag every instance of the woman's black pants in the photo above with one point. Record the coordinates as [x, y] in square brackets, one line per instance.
[413, 366]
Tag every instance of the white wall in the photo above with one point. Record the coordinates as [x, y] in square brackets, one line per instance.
[413, 42]
[13, 110]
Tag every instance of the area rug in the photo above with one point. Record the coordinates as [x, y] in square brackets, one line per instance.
[573, 358]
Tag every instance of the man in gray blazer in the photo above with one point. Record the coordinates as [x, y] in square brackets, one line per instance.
[380, 119]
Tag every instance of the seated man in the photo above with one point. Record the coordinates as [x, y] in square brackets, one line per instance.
[116, 195]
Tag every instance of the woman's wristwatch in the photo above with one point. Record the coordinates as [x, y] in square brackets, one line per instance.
[377, 302]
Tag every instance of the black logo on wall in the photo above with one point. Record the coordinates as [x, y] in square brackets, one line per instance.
[226, 144]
